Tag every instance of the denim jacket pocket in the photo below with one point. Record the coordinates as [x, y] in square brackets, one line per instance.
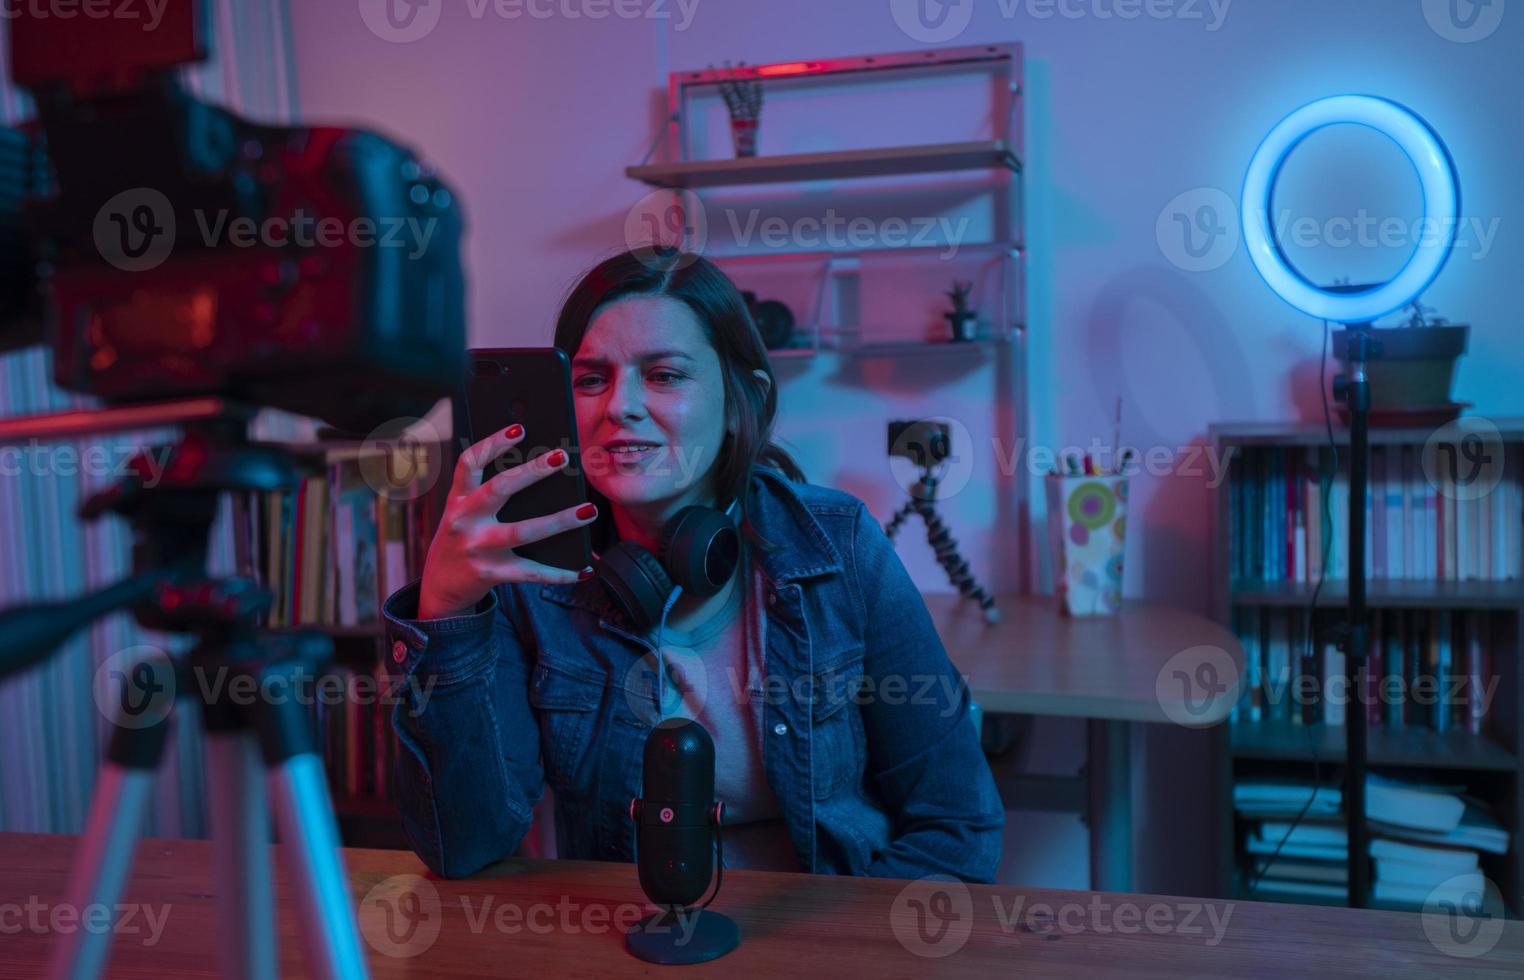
[837, 744]
[568, 707]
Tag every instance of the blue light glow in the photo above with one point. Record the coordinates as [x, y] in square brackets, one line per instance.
[1441, 201]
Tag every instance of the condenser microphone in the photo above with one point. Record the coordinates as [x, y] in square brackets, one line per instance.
[677, 826]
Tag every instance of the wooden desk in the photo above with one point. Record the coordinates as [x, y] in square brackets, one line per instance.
[561, 919]
[1148, 663]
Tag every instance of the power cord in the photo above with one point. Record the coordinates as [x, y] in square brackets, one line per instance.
[1325, 483]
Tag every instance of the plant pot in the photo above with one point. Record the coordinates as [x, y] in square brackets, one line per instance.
[964, 325]
[1414, 367]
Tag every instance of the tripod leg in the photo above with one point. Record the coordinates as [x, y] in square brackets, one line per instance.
[107, 847]
[310, 839]
[241, 850]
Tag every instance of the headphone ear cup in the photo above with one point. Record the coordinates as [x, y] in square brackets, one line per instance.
[636, 581]
[700, 549]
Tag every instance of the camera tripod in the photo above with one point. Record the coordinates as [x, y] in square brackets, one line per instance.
[923, 502]
[232, 656]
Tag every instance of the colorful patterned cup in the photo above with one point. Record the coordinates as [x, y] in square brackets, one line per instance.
[1087, 526]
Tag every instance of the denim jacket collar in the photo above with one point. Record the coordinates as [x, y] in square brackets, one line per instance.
[801, 547]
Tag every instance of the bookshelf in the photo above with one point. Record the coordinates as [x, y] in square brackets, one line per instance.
[1446, 595]
[356, 529]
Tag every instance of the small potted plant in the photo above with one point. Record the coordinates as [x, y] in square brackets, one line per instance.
[963, 321]
[1413, 371]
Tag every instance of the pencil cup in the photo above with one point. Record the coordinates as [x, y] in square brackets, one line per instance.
[1087, 526]
[743, 133]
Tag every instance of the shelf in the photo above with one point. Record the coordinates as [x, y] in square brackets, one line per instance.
[1242, 894]
[1251, 434]
[989, 250]
[1387, 594]
[832, 165]
[908, 348]
[1415, 746]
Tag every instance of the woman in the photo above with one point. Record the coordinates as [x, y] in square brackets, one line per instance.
[841, 730]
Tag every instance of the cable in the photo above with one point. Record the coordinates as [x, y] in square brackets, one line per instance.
[1325, 483]
[661, 663]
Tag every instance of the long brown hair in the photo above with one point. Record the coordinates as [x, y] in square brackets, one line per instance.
[703, 288]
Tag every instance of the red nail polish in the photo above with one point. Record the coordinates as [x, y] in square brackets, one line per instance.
[587, 512]
[514, 431]
[556, 458]
[585, 574]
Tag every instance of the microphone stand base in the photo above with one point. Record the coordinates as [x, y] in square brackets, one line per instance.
[676, 936]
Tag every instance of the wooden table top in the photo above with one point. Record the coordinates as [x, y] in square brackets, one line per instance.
[1147, 663]
[529, 918]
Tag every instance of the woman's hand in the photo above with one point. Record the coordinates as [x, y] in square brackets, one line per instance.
[470, 552]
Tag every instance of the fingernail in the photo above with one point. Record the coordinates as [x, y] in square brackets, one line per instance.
[514, 431]
[556, 458]
[587, 512]
[585, 574]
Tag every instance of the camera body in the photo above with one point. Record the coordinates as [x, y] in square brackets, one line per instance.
[181, 250]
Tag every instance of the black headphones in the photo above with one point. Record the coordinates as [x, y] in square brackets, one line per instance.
[699, 551]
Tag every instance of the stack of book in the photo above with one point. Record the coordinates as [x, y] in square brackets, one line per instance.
[352, 716]
[333, 549]
[1420, 525]
[1428, 669]
[1425, 843]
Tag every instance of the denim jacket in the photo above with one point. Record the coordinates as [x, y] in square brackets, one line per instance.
[867, 742]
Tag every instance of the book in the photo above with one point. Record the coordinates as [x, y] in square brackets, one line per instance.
[1334, 872]
[1454, 859]
[1462, 888]
[1333, 683]
[1290, 888]
[1404, 804]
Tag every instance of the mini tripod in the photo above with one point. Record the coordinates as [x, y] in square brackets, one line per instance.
[928, 445]
[169, 591]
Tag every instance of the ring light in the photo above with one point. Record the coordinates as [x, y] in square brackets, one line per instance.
[1441, 203]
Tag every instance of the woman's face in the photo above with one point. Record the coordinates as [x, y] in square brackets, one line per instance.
[647, 373]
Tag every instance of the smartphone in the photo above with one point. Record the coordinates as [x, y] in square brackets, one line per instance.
[532, 386]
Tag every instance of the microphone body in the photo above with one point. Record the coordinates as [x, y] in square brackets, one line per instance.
[676, 815]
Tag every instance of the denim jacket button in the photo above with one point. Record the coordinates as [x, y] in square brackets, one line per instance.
[772, 598]
[399, 651]
[780, 729]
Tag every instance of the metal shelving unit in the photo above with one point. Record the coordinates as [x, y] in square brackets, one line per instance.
[987, 162]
